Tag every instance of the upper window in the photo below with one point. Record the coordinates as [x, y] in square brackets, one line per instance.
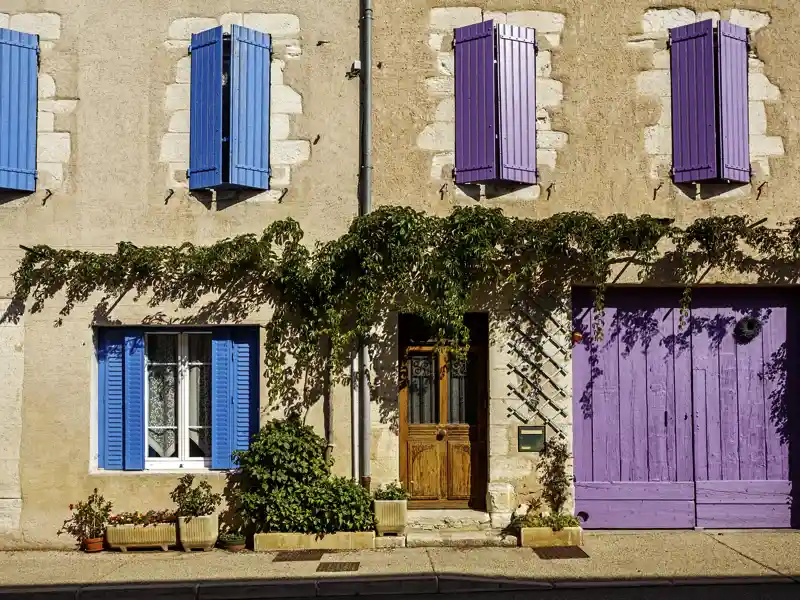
[19, 60]
[495, 81]
[176, 399]
[710, 112]
[229, 120]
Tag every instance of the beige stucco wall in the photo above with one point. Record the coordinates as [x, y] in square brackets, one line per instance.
[112, 64]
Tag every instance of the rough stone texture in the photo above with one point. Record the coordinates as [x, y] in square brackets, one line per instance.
[46, 86]
[46, 25]
[447, 19]
[45, 121]
[439, 137]
[398, 541]
[500, 496]
[429, 520]
[285, 100]
[749, 18]
[459, 539]
[654, 83]
[542, 22]
[276, 24]
[12, 337]
[289, 152]
[549, 93]
[51, 175]
[265, 542]
[53, 147]
[182, 29]
[659, 20]
[59, 107]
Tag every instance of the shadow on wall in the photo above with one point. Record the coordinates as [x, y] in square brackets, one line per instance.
[730, 326]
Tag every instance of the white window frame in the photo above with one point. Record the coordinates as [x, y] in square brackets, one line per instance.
[183, 461]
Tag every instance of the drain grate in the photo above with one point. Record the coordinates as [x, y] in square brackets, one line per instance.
[556, 552]
[337, 567]
[299, 555]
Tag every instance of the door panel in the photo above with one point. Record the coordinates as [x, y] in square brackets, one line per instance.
[459, 467]
[425, 469]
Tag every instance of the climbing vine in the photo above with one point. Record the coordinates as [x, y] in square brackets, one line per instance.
[323, 298]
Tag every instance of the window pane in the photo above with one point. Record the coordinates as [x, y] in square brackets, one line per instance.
[200, 442]
[200, 410]
[162, 348]
[423, 396]
[200, 348]
[162, 443]
[456, 405]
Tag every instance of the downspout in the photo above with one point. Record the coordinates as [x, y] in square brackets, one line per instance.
[364, 207]
[355, 416]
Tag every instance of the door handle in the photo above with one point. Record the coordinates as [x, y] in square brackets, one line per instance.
[440, 435]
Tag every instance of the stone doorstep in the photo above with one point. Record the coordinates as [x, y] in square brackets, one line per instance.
[459, 538]
[451, 519]
[267, 542]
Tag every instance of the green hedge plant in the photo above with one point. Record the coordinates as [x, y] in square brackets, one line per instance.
[391, 491]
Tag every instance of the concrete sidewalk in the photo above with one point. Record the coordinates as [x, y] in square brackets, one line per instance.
[663, 558]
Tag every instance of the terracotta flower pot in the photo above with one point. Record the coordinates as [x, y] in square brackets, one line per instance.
[93, 544]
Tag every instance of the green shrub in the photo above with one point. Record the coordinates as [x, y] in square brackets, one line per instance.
[553, 475]
[194, 501]
[391, 491]
[286, 484]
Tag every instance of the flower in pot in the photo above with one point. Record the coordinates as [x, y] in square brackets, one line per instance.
[233, 541]
[88, 522]
[154, 528]
[391, 509]
[198, 524]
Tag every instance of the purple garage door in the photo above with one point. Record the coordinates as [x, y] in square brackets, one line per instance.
[681, 427]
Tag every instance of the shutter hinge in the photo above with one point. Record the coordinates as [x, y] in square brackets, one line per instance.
[453, 43]
[669, 42]
[536, 47]
[454, 174]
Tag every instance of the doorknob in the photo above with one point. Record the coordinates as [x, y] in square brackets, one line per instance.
[440, 435]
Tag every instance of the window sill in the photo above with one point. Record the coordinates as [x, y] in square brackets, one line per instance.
[160, 471]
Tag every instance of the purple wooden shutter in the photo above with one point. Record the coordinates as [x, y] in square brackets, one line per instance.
[733, 103]
[476, 158]
[516, 86]
[694, 102]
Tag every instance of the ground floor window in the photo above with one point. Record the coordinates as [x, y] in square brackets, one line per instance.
[175, 399]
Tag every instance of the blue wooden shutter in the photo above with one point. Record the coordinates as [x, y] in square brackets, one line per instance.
[134, 401]
[694, 102]
[476, 142]
[221, 399]
[205, 122]
[249, 106]
[18, 104]
[516, 91]
[111, 427]
[734, 118]
[245, 387]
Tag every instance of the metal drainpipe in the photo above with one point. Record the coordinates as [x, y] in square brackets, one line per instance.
[364, 207]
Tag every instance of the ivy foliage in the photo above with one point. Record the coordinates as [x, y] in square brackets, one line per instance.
[322, 298]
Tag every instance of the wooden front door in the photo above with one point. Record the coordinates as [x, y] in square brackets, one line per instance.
[443, 403]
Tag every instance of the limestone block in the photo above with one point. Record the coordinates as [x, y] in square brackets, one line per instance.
[288, 48]
[10, 511]
[280, 177]
[445, 63]
[229, 19]
[45, 121]
[442, 166]
[661, 20]
[438, 136]
[53, 147]
[501, 520]
[47, 86]
[435, 41]
[265, 542]
[279, 127]
[276, 24]
[649, 45]
[510, 468]
[552, 40]
[447, 19]
[661, 59]
[289, 152]
[182, 29]
[760, 167]
[50, 175]
[178, 171]
[665, 118]
[749, 18]
[183, 70]
[657, 140]
[549, 92]
[4, 20]
[546, 158]
[446, 110]
[505, 192]
[284, 100]
[9, 472]
[754, 65]
[497, 17]
[179, 122]
[761, 88]
[500, 497]
[440, 86]
[544, 63]
[709, 14]
[542, 120]
[182, 45]
[175, 147]
[764, 145]
[59, 107]
[178, 96]
[268, 196]
[499, 440]
[551, 140]
[541, 21]
[758, 118]
[46, 25]
[653, 83]
[660, 166]
[276, 72]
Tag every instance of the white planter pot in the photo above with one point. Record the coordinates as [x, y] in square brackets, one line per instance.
[391, 516]
[544, 537]
[198, 533]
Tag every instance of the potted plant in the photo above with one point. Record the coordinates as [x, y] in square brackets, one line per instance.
[154, 528]
[537, 528]
[198, 524]
[391, 509]
[88, 522]
[232, 541]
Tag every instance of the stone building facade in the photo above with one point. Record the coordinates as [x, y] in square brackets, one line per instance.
[113, 151]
